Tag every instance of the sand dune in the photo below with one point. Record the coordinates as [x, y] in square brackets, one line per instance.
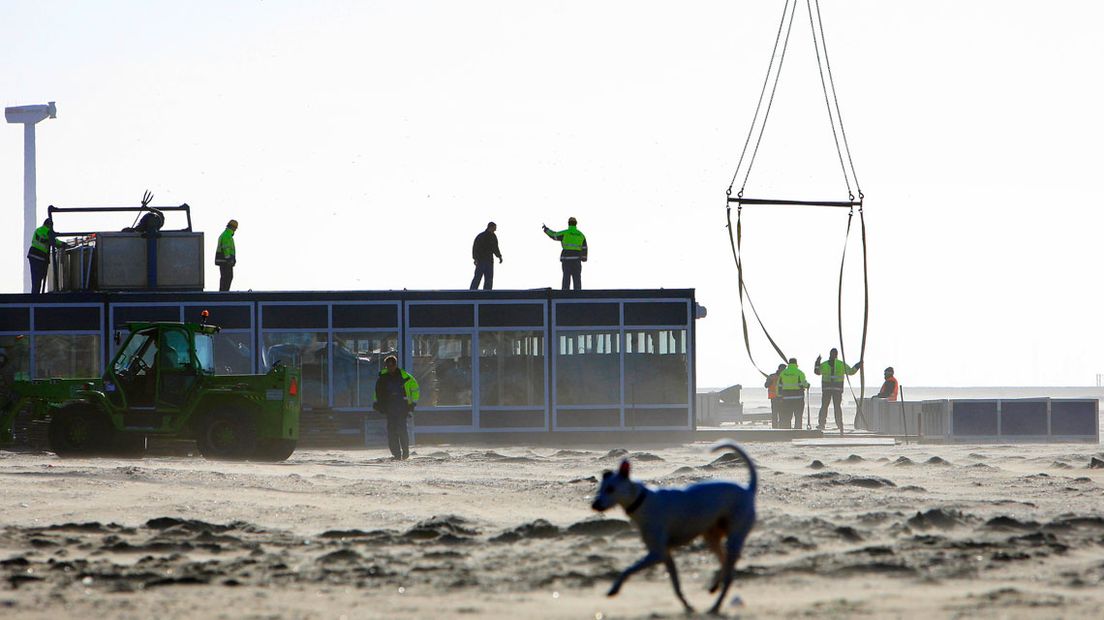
[906, 531]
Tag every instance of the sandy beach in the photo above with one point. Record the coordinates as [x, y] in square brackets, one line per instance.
[905, 531]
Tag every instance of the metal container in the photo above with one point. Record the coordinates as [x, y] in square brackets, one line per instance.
[122, 261]
[78, 268]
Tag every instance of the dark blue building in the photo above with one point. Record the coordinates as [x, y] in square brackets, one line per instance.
[531, 361]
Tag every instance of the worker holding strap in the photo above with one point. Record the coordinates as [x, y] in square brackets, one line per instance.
[832, 375]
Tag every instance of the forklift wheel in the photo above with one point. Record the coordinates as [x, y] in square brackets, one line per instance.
[79, 430]
[128, 445]
[228, 435]
[274, 450]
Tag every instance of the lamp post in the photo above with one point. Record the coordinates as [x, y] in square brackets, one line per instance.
[29, 116]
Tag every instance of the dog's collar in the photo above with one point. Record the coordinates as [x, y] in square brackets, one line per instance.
[631, 508]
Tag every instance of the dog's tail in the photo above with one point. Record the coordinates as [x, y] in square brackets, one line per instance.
[753, 480]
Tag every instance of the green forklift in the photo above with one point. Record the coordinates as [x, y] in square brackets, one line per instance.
[161, 383]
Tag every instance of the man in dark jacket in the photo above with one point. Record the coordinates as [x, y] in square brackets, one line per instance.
[484, 250]
[396, 395]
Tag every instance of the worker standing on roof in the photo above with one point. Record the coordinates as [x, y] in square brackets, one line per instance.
[396, 395]
[484, 249]
[792, 385]
[890, 387]
[573, 253]
[832, 375]
[226, 256]
[39, 254]
[775, 397]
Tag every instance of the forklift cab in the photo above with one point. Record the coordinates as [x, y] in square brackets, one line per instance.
[158, 366]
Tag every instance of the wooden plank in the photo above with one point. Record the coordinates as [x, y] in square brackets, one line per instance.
[829, 442]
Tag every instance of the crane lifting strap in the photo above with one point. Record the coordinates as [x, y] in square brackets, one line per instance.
[843, 150]
[735, 243]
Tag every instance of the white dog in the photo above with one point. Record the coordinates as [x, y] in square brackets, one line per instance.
[669, 518]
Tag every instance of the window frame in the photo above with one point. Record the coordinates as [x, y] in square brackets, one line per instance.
[621, 328]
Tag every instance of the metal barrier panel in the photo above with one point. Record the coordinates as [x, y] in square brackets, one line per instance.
[1024, 418]
[1042, 420]
[892, 417]
[935, 418]
[977, 418]
[1075, 419]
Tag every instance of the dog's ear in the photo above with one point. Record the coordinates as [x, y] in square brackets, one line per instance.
[606, 474]
[623, 471]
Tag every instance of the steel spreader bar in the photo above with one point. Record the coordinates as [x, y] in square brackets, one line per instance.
[799, 203]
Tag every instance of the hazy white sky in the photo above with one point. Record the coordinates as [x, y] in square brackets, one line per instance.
[363, 144]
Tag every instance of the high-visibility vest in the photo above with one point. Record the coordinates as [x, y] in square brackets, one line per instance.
[572, 239]
[792, 380]
[892, 395]
[40, 240]
[834, 371]
[772, 386]
[225, 253]
[410, 386]
[572, 242]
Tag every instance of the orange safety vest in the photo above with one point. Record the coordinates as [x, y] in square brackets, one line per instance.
[772, 386]
[893, 395]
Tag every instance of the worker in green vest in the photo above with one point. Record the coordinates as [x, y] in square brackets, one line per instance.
[226, 256]
[832, 375]
[38, 256]
[573, 253]
[792, 386]
[397, 394]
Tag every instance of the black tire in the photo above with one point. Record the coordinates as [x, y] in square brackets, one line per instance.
[128, 445]
[274, 450]
[228, 434]
[79, 430]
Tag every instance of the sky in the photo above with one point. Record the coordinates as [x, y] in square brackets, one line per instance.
[362, 145]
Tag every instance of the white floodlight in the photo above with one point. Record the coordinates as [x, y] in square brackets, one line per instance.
[29, 116]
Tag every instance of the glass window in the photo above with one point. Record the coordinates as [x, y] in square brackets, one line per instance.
[67, 356]
[308, 351]
[15, 362]
[511, 368]
[133, 349]
[174, 350]
[656, 367]
[205, 352]
[358, 359]
[588, 368]
[442, 367]
[233, 353]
